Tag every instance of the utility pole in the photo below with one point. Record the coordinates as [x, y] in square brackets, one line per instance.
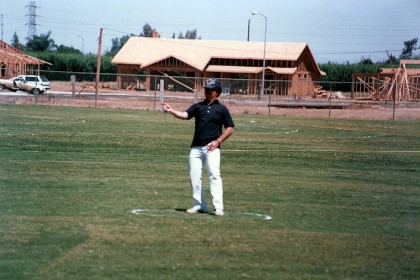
[31, 19]
[2, 32]
[98, 68]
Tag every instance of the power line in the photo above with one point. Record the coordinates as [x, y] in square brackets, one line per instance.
[118, 31]
[71, 24]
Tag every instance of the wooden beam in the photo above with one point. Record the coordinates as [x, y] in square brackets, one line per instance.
[176, 81]
[410, 61]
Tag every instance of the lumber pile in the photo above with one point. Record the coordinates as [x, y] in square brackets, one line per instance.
[321, 93]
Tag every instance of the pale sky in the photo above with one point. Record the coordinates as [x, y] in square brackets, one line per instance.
[336, 30]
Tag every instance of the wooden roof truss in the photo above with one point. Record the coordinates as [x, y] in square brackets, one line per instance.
[13, 62]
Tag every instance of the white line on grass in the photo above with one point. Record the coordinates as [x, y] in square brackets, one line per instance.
[321, 151]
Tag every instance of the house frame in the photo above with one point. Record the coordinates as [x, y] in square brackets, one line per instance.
[403, 82]
[13, 62]
[290, 68]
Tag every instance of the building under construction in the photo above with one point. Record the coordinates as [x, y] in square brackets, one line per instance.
[13, 62]
[290, 68]
[403, 83]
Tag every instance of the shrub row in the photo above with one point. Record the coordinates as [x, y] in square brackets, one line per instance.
[339, 75]
[66, 64]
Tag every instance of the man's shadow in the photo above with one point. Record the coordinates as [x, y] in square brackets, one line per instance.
[185, 209]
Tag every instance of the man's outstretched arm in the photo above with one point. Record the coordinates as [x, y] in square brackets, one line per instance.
[177, 114]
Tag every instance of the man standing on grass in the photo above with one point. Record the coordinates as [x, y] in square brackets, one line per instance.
[209, 116]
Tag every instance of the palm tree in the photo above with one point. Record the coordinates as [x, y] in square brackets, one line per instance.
[41, 43]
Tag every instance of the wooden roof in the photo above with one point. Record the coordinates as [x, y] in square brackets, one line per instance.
[404, 63]
[9, 54]
[198, 53]
[409, 71]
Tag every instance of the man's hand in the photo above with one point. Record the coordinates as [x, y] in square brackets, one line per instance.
[167, 108]
[213, 145]
[176, 114]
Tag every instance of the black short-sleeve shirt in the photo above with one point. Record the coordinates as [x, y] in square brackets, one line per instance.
[209, 119]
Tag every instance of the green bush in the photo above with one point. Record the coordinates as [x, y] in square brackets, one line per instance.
[339, 75]
[66, 64]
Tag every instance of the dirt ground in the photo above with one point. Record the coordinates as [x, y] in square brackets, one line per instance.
[60, 95]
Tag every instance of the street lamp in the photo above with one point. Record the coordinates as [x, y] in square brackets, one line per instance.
[83, 43]
[265, 42]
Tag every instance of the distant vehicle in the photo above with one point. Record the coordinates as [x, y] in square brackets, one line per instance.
[30, 83]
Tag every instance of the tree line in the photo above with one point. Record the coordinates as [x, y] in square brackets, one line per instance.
[44, 42]
[118, 43]
[67, 59]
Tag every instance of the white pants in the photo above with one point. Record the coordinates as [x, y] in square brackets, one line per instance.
[198, 157]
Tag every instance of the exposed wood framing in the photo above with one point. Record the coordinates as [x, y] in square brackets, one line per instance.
[290, 67]
[404, 82]
[13, 62]
[176, 81]
[130, 78]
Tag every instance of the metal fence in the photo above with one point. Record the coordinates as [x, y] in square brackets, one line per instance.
[277, 89]
[276, 94]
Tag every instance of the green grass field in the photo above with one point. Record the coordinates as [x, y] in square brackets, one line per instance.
[99, 194]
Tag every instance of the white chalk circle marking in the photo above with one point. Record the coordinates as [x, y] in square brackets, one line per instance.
[158, 213]
[138, 211]
[263, 216]
[148, 212]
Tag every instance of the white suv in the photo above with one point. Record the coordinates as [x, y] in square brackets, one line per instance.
[31, 83]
